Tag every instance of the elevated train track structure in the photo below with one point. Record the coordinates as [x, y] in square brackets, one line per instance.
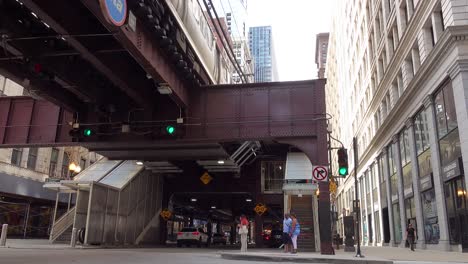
[128, 81]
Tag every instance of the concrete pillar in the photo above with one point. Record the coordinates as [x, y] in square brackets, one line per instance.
[379, 201]
[3, 236]
[459, 75]
[73, 238]
[316, 222]
[371, 185]
[401, 195]
[365, 205]
[416, 187]
[437, 174]
[386, 175]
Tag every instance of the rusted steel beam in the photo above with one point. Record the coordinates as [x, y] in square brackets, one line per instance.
[143, 48]
[289, 112]
[106, 70]
[25, 121]
[258, 111]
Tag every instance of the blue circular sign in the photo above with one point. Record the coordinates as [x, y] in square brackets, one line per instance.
[115, 11]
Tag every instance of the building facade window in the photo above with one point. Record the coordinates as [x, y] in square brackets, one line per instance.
[273, 176]
[53, 162]
[16, 156]
[452, 169]
[431, 220]
[429, 207]
[32, 158]
[65, 164]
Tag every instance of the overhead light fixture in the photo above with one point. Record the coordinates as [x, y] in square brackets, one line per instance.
[193, 199]
[34, 14]
[213, 207]
[248, 200]
[220, 161]
[72, 166]
[164, 88]
[139, 163]
[78, 169]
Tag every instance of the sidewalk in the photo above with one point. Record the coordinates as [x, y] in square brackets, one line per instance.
[377, 255]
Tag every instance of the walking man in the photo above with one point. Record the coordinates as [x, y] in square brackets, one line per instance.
[410, 236]
[286, 238]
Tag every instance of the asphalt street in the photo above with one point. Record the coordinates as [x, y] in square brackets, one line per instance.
[124, 256]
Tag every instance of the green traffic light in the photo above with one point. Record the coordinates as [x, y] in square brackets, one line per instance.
[170, 130]
[343, 171]
[87, 132]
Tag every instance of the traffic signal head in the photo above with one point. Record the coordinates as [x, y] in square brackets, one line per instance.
[342, 162]
[87, 132]
[170, 129]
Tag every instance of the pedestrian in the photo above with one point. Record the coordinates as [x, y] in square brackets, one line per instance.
[243, 231]
[286, 238]
[410, 236]
[294, 232]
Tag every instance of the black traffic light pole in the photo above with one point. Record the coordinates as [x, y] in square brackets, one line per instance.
[357, 205]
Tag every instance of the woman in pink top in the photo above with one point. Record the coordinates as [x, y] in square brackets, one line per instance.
[243, 231]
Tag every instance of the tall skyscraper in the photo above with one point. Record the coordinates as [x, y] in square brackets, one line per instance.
[321, 48]
[397, 82]
[262, 49]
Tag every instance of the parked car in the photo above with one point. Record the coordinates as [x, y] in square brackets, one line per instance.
[219, 239]
[274, 239]
[192, 236]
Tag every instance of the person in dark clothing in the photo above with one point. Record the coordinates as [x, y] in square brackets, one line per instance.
[411, 236]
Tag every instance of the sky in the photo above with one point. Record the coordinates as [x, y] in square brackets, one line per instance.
[295, 23]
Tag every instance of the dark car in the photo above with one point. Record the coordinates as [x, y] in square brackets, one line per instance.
[274, 239]
[219, 239]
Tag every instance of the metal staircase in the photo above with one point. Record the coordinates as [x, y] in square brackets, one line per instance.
[63, 224]
[302, 207]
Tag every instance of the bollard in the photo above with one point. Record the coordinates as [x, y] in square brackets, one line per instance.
[3, 236]
[73, 238]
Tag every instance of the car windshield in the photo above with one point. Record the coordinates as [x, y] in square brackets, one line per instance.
[189, 229]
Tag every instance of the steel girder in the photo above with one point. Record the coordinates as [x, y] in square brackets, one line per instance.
[289, 112]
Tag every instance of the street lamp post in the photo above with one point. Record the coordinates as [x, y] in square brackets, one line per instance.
[357, 205]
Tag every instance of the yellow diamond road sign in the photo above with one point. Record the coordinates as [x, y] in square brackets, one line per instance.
[166, 214]
[260, 209]
[206, 178]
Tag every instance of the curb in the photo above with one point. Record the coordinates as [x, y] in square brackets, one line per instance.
[302, 259]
